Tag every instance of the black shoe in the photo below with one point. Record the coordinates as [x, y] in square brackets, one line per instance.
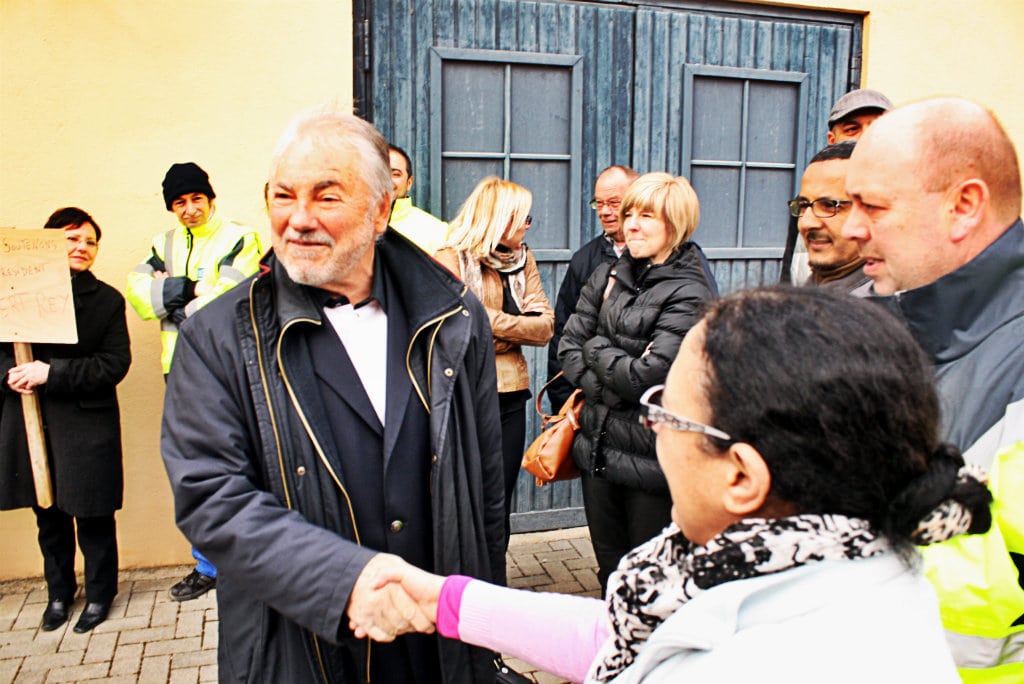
[55, 615]
[94, 614]
[193, 586]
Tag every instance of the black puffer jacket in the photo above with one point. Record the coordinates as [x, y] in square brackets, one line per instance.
[617, 349]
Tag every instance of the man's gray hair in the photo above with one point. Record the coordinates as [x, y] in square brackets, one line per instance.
[331, 128]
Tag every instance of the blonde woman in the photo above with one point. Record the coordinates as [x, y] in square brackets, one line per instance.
[486, 250]
[629, 322]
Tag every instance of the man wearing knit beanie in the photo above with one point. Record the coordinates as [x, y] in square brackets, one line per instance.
[186, 268]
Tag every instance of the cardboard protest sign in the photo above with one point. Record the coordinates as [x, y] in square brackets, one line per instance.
[36, 305]
[35, 287]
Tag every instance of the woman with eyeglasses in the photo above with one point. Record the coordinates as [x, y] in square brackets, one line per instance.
[627, 327]
[800, 492]
[77, 389]
[486, 250]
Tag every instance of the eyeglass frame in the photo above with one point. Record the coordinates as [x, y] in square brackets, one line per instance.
[613, 204]
[655, 414]
[801, 205]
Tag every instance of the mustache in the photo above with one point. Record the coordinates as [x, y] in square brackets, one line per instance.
[313, 237]
[818, 235]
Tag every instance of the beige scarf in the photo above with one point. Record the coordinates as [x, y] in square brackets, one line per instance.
[511, 264]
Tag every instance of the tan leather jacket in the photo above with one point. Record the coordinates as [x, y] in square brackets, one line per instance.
[511, 331]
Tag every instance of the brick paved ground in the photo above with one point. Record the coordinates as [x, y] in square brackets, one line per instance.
[150, 638]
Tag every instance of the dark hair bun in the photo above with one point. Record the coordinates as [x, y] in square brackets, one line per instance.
[946, 500]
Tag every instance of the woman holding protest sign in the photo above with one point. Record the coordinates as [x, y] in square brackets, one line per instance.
[76, 386]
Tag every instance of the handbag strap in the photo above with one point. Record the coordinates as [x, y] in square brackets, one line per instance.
[540, 395]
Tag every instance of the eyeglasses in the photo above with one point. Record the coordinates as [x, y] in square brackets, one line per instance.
[823, 207]
[529, 220]
[612, 204]
[652, 413]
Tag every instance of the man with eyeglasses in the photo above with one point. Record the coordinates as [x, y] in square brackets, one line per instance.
[849, 117]
[820, 210]
[609, 190]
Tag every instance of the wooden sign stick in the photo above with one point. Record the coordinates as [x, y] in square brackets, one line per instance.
[34, 432]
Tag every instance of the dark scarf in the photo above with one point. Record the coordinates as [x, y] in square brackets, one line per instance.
[820, 276]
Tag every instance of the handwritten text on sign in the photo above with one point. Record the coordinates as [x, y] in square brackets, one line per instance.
[35, 287]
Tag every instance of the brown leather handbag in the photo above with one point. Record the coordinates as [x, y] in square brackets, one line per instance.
[549, 457]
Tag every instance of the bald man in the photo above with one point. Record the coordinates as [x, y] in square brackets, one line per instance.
[936, 207]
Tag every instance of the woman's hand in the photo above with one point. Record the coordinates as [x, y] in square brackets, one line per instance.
[26, 377]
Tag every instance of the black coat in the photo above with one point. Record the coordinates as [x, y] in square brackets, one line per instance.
[591, 255]
[79, 406]
[615, 350]
[248, 452]
[582, 264]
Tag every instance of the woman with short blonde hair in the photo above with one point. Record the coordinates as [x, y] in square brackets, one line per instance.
[671, 197]
[629, 322]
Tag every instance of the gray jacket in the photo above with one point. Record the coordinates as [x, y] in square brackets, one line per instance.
[971, 324]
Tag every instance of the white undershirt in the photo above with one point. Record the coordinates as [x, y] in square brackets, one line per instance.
[364, 332]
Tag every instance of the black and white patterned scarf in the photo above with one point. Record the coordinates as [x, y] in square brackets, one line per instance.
[654, 579]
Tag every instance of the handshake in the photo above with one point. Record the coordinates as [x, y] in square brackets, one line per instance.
[392, 597]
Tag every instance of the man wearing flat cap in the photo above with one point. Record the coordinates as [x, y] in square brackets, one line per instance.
[187, 267]
[854, 112]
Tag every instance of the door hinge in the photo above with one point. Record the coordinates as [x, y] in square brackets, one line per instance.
[366, 45]
[855, 63]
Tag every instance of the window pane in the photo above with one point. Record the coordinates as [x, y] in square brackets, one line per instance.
[717, 111]
[766, 217]
[549, 183]
[473, 107]
[718, 192]
[541, 104]
[460, 177]
[772, 123]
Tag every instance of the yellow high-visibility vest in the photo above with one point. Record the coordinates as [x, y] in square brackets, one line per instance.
[977, 583]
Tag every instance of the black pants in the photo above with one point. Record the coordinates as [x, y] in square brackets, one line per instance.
[512, 406]
[620, 519]
[98, 539]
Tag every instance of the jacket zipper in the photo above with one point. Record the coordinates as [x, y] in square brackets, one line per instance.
[188, 242]
[277, 444]
[430, 353]
[330, 470]
[266, 396]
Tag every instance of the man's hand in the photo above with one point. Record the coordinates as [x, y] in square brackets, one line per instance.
[379, 608]
[419, 585]
[26, 377]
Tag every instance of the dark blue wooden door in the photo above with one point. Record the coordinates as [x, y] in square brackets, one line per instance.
[549, 93]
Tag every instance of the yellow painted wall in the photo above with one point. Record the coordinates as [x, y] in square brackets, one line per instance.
[97, 99]
[919, 48]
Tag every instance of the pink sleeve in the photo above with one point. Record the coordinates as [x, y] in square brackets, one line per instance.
[558, 633]
[448, 604]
